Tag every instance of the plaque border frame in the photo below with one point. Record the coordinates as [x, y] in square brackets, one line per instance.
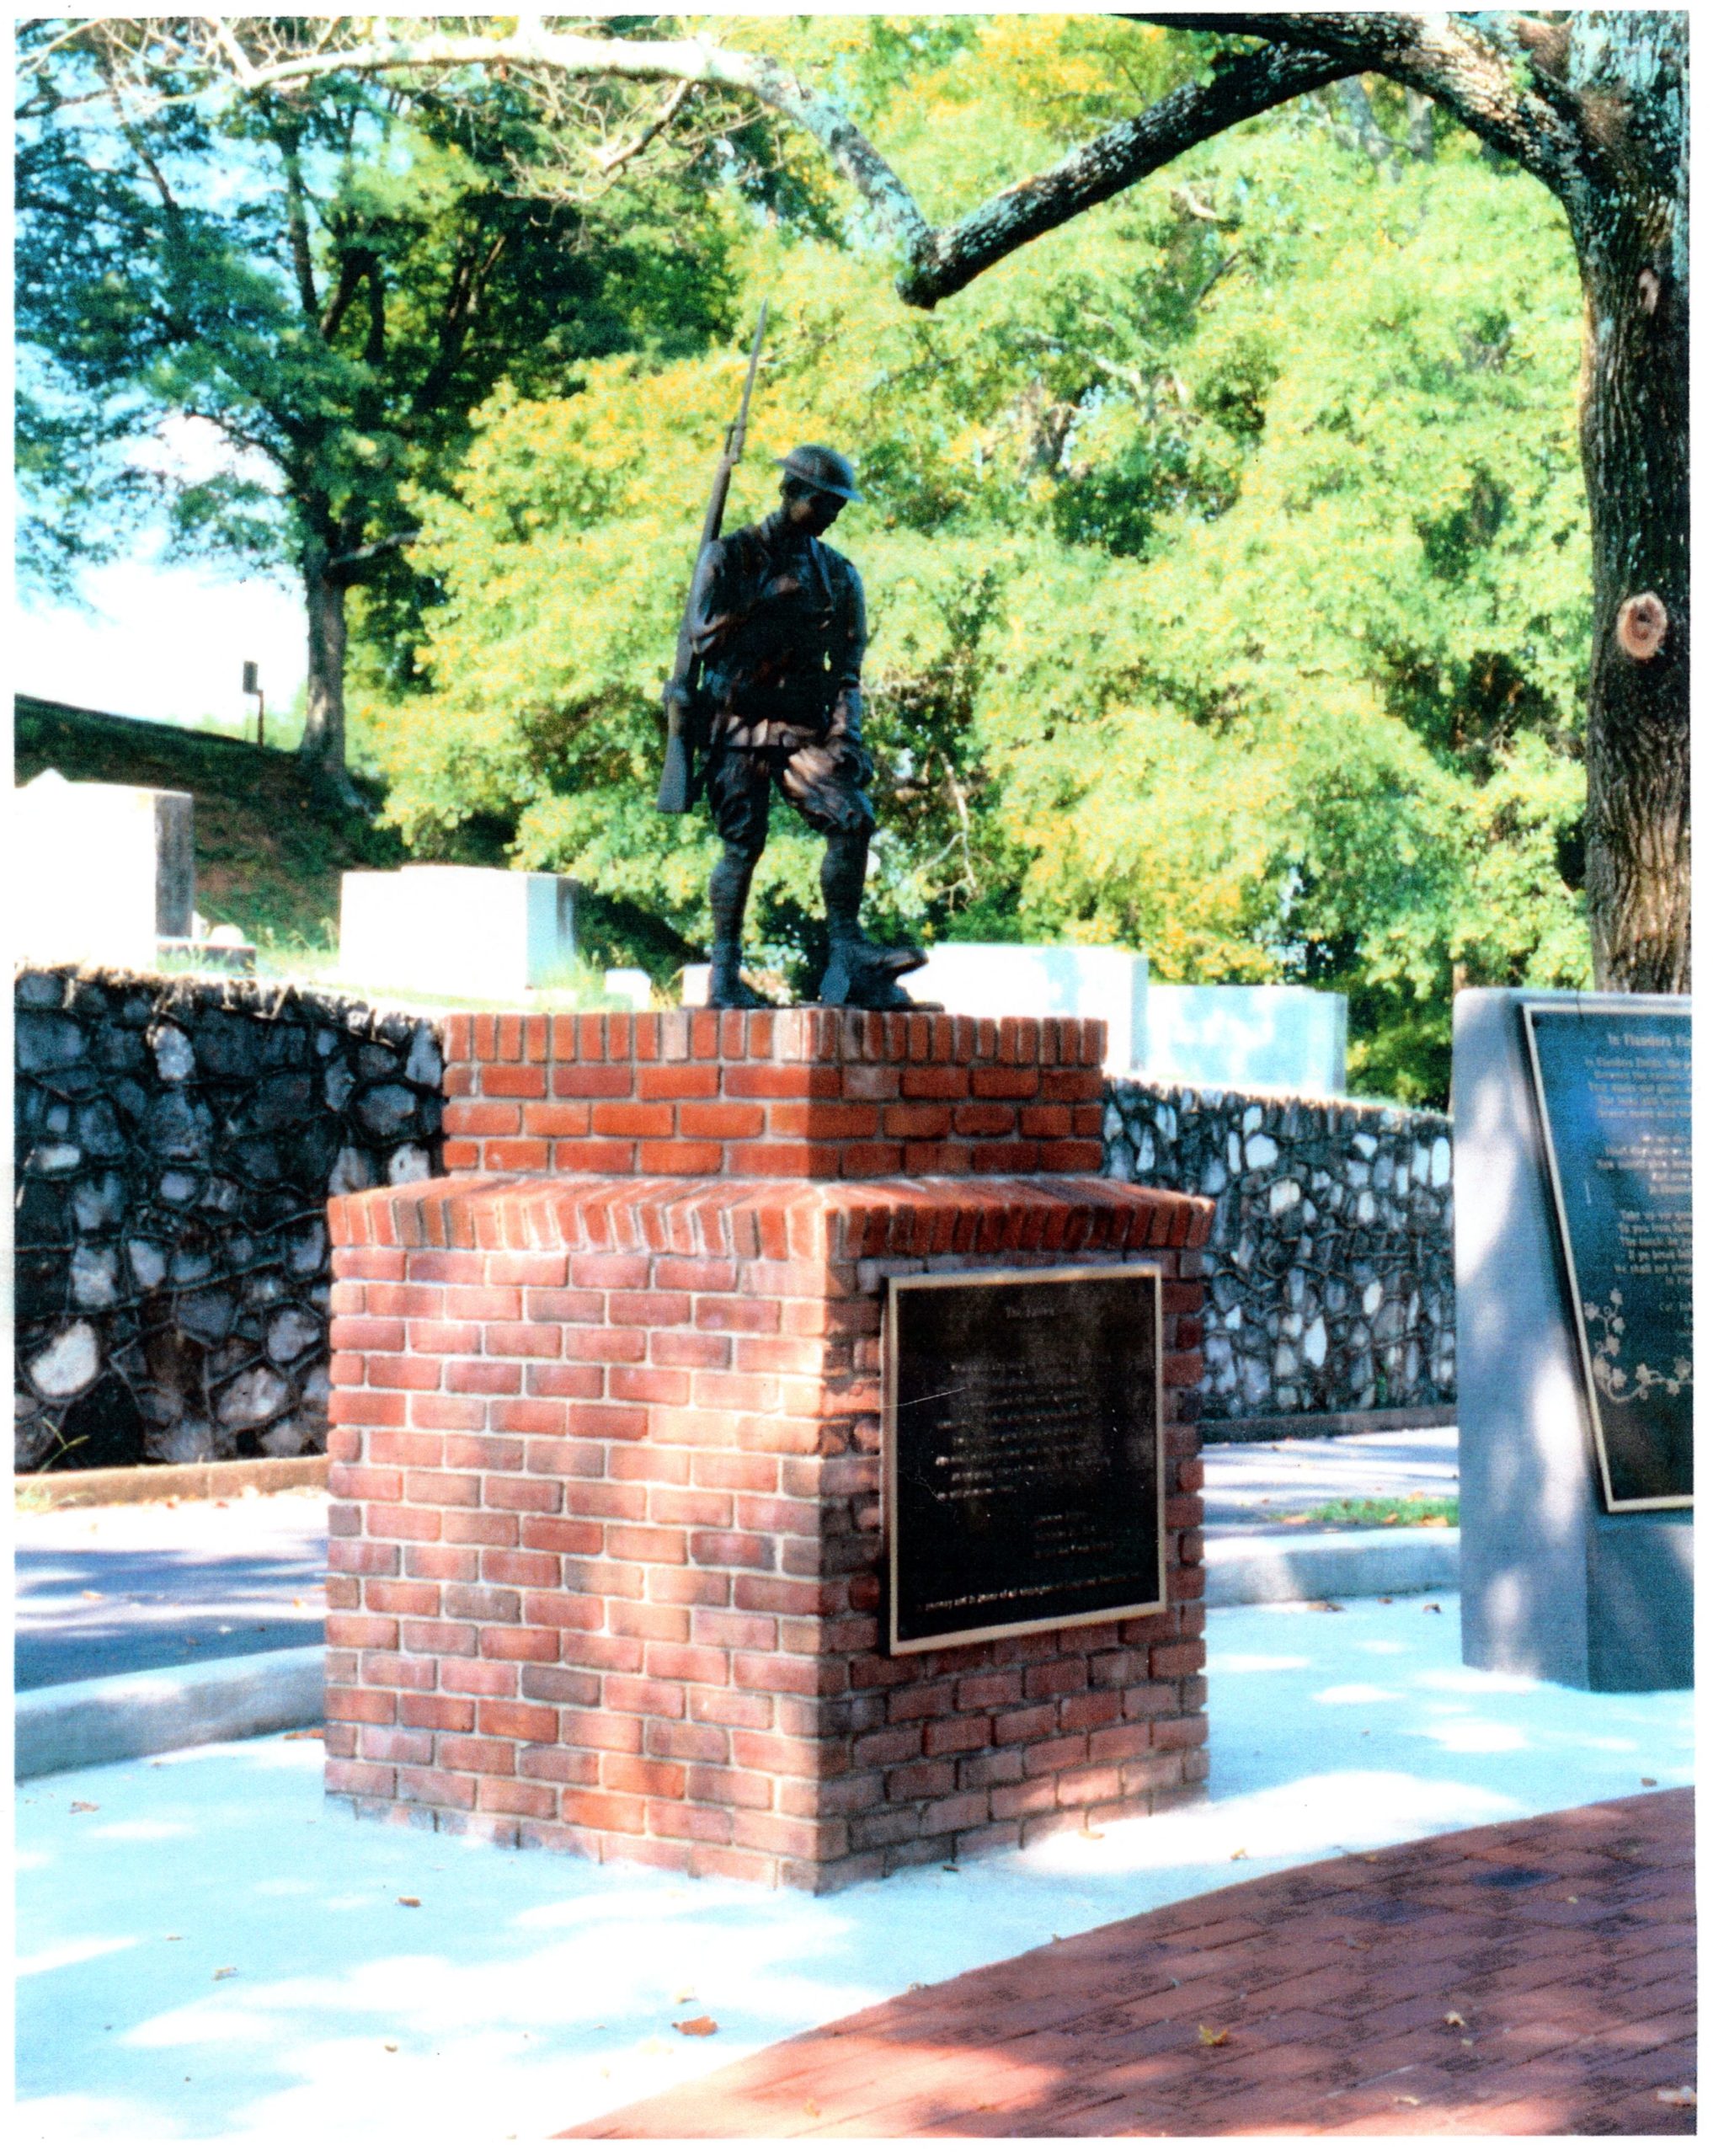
[999, 1275]
[1630, 1004]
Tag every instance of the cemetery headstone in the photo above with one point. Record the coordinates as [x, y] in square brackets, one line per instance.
[1247, 1034]
[105, 872]
[437, 928]
[1045, 980]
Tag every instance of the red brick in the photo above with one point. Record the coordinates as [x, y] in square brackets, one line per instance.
[485, 1678]
[432, 1711]
[1022, 1083]
[523, 1083]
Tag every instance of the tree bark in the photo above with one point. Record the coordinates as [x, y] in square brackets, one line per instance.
[1634, 438]
[323, 748]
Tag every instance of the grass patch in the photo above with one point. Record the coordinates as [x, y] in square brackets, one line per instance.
[1376, 1511]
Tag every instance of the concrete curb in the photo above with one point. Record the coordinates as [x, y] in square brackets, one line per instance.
[91, 1724]
[1327, 1567]
[64, 1727]
[159, 1480]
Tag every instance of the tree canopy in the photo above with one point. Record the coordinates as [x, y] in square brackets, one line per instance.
[328, 283]
[1224, 603]
[1592, 103]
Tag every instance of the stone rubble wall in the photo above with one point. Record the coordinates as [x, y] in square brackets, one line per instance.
[176, 1141]
[1329, 1265]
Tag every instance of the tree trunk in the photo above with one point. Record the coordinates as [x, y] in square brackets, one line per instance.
[1635, 434]
[323, 749]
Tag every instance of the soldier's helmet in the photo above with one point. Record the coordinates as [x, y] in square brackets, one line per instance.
[822, 468]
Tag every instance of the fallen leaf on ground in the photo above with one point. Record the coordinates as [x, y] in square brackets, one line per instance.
[78, 1805]
[1432, 1610]
[410, 1902]
[1455, 2021]
[230, 1971]
[389, 2047]
[1212, 2037]
[704, 2025]
[682, 1997]
[1326, 1605]
[811, 2108]
[175, 1935]
[1412, 2100]
[1682, 2099]
[296, 1736]
[1648, 1782]
[1236, 1853]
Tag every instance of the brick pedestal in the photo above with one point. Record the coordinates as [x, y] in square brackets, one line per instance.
[605, 1451]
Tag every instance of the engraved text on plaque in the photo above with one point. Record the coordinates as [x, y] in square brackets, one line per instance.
[1022, 1433]
[1612, 1080]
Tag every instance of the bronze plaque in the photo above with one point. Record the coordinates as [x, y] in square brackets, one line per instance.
[1022, 1452]
[1612, 1085]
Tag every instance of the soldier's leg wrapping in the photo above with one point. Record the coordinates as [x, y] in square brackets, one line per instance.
[844, 870]
[738, 783]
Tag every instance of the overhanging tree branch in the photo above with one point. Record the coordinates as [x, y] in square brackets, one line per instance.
[1498, 73]
[936, 263]
[951, 258]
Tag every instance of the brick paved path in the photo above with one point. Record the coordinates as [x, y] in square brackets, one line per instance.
[1533, 1977]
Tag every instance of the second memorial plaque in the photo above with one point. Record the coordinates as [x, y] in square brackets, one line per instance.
[1022, 1437]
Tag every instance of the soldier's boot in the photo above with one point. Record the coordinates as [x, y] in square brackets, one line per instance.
[863, 974]
[726, 989]
[727, 895]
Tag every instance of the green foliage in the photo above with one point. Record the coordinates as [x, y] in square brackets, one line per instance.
[1226, 556]
[328, 283]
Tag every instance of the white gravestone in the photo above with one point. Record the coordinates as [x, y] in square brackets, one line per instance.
[104, 872]
[444, 931]
[1283, 1039]
[1041, 980]
[631, 986]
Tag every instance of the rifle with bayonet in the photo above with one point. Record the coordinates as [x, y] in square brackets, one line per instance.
[686, 704]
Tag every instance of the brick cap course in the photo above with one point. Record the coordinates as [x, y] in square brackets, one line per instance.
[818, 1094]
[698, 1216]
[814, 1033]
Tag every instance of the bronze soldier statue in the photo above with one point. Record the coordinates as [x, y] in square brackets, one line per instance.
[776, 620]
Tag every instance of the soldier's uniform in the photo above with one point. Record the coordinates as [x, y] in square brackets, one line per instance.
[783, 673]
[776, 619]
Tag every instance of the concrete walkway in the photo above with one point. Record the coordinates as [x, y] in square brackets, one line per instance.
[122, 1609]
[1255, 1489]
[1529, 1978]
[207, 1950]
[107, 1591]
